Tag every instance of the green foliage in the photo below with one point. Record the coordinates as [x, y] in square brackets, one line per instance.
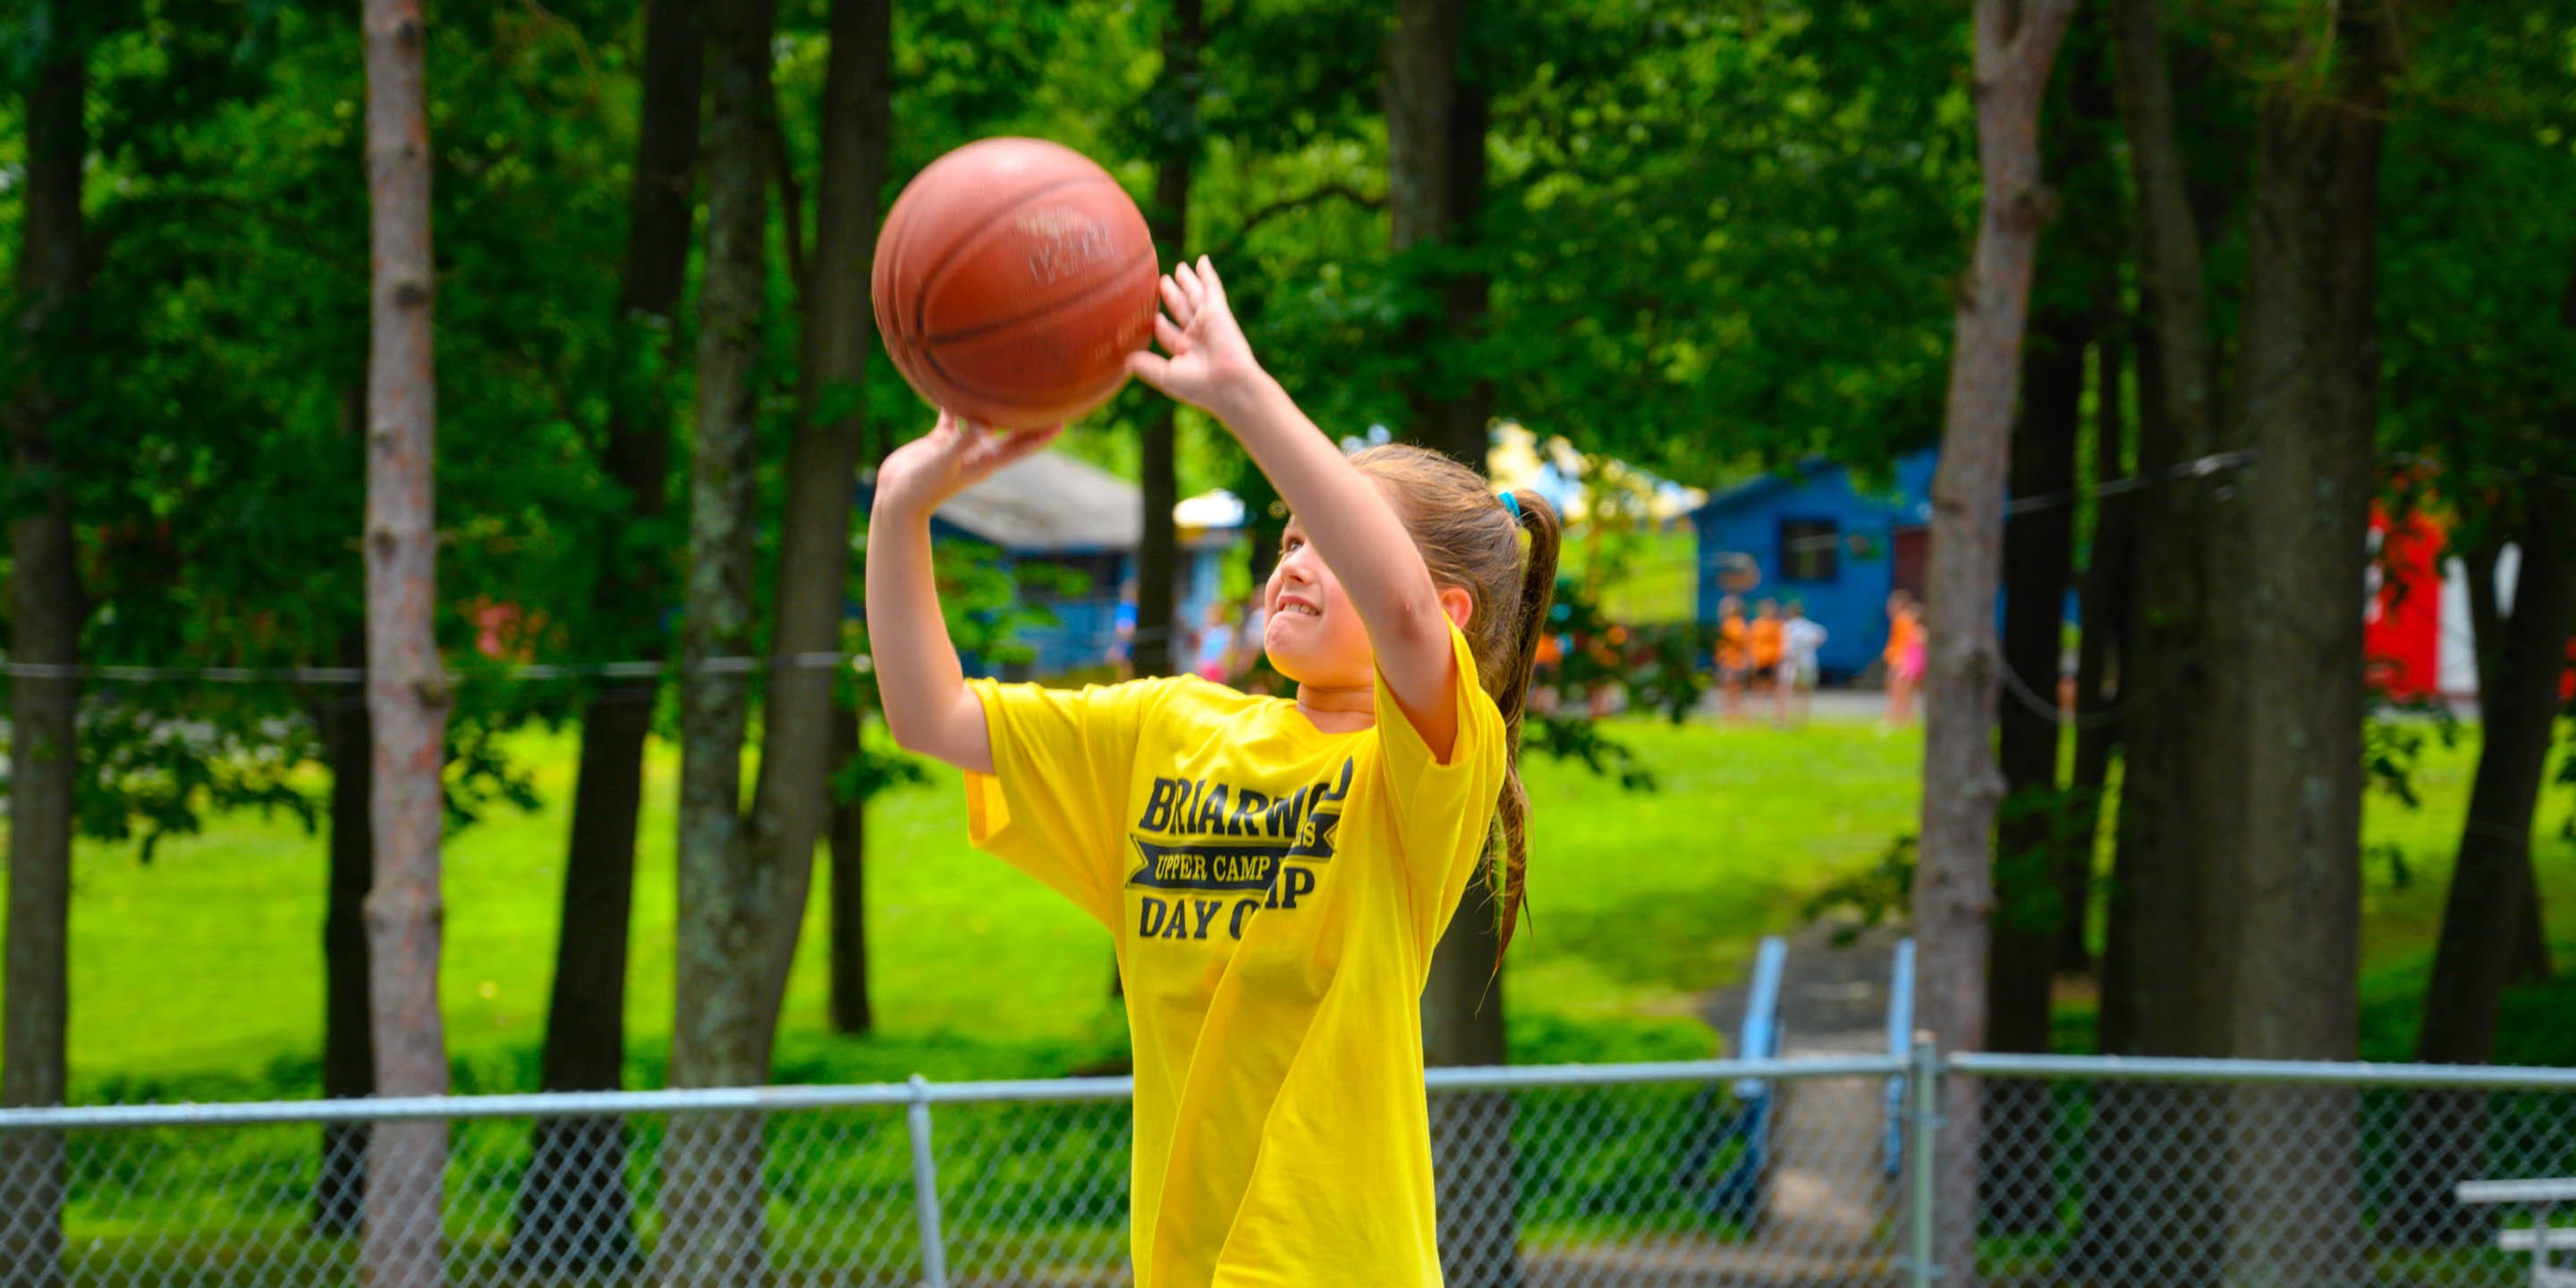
[986, 603]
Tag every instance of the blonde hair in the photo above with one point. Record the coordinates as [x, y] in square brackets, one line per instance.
[1470, 539]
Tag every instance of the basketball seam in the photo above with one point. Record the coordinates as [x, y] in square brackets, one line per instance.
[986, 328]
[930, 279]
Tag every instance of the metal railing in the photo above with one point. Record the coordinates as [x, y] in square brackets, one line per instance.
[2093, 1171]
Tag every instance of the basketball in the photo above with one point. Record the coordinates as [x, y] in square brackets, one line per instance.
[1012, 279]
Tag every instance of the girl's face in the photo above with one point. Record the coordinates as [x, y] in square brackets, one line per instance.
[1313, 635]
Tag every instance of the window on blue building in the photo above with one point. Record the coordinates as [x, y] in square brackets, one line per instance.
[1810, 549]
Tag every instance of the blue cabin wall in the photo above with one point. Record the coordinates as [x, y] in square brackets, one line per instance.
[1851, 602]
[1087, 626]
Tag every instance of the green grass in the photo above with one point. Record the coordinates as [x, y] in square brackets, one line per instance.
[200, 975]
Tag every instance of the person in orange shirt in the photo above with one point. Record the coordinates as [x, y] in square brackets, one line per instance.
[1762, 640]
[1734, 656]
[1903, 656]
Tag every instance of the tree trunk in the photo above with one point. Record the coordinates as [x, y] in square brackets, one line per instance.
[712, 1201]
[2077, 272]
[2019, 1183]
[2309, 379]
[46, 613]
[2519, 707]
[574, 1212]
[2016, 43]
[1435, 176]
[2527, 960]
[2149, 1166]
[348, 1044]
[407, 694]
[2444, 1133]
[1436, 127]
[792, 805]
[848, 891]
[1154, 649]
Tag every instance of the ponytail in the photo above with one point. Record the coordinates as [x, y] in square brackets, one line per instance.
[1473, 539]
[1509, 867]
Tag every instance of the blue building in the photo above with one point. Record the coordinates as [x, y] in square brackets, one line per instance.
[1816, 535]
[1060, 511]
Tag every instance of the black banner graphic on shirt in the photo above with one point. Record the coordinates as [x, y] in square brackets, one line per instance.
[1216, 837]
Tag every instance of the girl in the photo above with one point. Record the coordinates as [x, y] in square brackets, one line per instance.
[1903, 656]
[1275, 871]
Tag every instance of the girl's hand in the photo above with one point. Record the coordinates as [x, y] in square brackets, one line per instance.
[921, 475]
[1210, 364]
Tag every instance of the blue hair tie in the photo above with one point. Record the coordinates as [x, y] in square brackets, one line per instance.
[1512, 502]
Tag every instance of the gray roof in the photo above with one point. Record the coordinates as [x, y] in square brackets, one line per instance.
[1050, 501]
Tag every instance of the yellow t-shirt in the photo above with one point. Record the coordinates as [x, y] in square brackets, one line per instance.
[1275, 892]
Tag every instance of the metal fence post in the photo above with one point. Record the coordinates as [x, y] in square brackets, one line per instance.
[1924, 1125]
[925, 1188]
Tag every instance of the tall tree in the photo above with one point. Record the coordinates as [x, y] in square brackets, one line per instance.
[2016, 45]
[2486, 390]
[1436, 130]
[574, 1211]
[847, 886]
[745, 875]
[46, 612]
[2480, 384]
[348, 1037]
[2526, 418]
[712, 1200]
[407, 688]
[2074, 269]
[2521, 656]
[1174, 135]
[1436, 123]
[831, 441]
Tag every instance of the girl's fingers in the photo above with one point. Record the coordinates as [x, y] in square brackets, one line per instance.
[1176, 301]
[1168, 335]
[1029, 442]
[1150, 367]
[1215, 290]
[1190, 286]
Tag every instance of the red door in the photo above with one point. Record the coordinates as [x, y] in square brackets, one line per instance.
[1912, 554]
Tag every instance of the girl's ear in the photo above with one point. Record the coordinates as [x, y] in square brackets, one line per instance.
[1458, 604]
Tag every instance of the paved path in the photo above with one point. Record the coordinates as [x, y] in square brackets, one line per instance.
[1829, 1196]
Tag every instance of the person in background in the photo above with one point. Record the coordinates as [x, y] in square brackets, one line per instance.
[1762, 640]
[1543, 673]
[1122, 642]
[1214, 656]
[1247, 648]
[1903, 656]
[1801, 639]
[1734, 657]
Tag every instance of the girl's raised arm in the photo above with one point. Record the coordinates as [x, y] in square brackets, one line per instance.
[1347, 516]
[919, 681]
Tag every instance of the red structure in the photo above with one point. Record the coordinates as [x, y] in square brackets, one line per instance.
[2403, 623]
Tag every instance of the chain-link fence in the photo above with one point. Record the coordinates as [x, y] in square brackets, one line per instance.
[1705, 1173]
[2183, 1172]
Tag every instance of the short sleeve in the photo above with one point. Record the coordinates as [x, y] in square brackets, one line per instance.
[1061, 763]
[1443, 808]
